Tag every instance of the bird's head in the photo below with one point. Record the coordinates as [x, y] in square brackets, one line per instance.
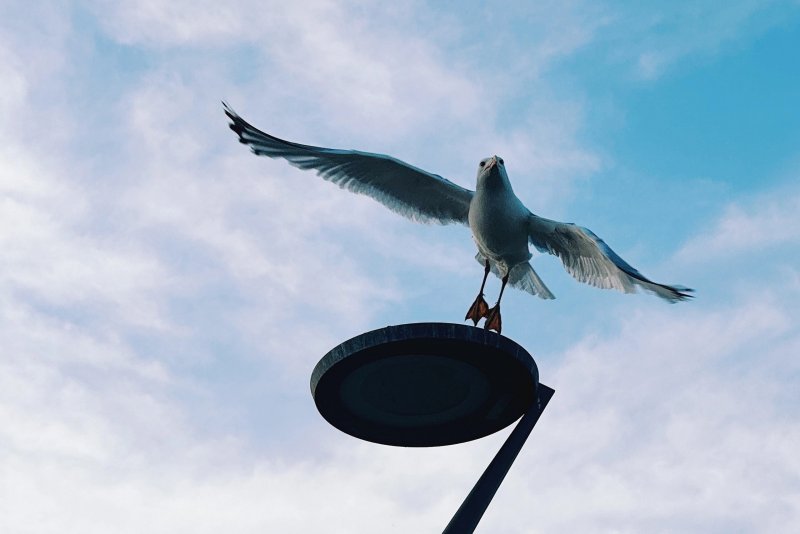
[492, 172]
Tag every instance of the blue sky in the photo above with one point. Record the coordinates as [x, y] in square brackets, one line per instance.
[164, 294]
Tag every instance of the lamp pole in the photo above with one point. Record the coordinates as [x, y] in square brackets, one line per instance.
[472, 509]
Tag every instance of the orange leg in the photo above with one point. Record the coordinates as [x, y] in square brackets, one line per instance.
[493, 321]
[479, 308]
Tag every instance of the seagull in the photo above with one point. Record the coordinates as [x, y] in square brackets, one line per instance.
[502, 227]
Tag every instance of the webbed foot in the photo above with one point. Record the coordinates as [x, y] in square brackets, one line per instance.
[493, 321]
[478, 310]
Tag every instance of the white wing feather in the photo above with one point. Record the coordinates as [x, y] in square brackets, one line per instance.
[403, 188]
[588, 259]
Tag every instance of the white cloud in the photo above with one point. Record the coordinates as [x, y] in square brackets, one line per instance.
[155, 23]
[16, 86]
[755, 227]
[356, 63]
[47, 255]
[679, 423]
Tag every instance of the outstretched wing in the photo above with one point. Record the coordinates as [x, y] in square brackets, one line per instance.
[403, 188]
[588, 259]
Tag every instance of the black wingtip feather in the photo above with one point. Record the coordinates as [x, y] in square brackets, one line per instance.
[229, 111]
[237, 125]
[681, 293]
[685, 293]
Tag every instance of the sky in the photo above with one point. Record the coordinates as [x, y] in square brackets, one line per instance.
[165, 294]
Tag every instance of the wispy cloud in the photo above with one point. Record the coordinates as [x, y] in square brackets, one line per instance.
[670, 423]
[755, 227]
[353, 64]
[654, 40]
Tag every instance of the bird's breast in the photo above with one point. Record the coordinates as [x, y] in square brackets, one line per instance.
[499, 226]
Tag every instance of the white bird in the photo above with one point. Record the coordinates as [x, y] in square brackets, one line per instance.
[501, 225]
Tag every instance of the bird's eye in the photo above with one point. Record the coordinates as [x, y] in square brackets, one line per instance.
[500, 160]
[483, 163]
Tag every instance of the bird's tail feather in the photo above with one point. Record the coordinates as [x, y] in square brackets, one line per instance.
[521, 277]
[525, 278]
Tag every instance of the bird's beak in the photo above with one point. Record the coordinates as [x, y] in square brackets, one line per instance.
[492, 162]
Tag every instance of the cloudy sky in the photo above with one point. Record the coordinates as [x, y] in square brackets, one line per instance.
[164, 294]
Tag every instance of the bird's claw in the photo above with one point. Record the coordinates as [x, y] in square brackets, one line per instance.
[478, 310]
[493, 321]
